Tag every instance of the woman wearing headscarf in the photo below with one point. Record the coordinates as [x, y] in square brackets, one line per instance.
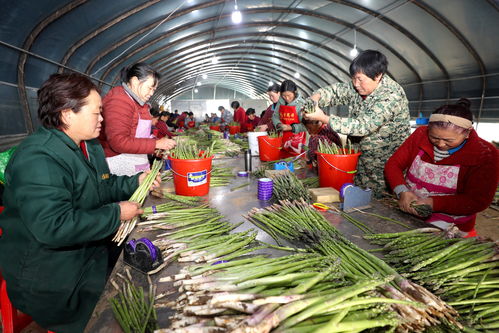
[446, 166]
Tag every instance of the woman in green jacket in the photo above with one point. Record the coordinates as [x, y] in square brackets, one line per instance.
[61, 207]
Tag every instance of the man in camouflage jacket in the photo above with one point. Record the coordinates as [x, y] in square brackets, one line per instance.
[378, 115]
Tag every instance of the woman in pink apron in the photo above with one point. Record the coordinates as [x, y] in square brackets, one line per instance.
[126, 134]
[447, 166]
[287, 118]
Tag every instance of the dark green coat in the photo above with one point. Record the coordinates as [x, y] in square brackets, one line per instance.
[59, 210]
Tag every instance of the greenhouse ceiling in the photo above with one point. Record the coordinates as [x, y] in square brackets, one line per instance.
[438, 50]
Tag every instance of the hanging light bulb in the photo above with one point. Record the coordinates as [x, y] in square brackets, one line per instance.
[237, 17]
[196, 91]
[204, 76]
[297, 75]
[354, 52]
[198, 84]
[271, 83]
[214, 60]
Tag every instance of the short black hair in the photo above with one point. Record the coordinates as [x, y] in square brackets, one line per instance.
[220, 108]
[141, 70]
[61, 92]
[154, 112]
[250, 111]
[235, 105]
[274, 88]
[288, 85]
[369, 62]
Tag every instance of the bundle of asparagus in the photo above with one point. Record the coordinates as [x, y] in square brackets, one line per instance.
[187, 151]
[326, 147]
[134, 310]
[463, 272]
[139, 196]
[310, 182]
[221, 176]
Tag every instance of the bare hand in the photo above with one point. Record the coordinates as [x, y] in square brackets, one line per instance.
[286, 128]
[425, 201]
[315, 97]
[165, 143]
[156, 183]
[406, 198]
[129, 210]
[317, 115]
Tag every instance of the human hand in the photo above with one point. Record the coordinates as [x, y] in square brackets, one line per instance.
[286, 128]
[317, 115]
[156, 183]
[165, 143]
[128, 210]
[315, 98]
[406, 198]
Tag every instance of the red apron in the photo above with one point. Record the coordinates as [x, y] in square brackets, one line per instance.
[426, 179]
[292, 142]
[191, 124]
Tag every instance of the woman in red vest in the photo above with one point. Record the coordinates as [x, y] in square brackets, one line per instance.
[287, 118]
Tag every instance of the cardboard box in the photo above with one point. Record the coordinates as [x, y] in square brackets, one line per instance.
[325, 194]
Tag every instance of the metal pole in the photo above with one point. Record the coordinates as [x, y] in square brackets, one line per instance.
[51, 61]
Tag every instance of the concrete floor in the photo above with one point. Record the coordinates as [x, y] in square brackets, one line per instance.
[487, 223]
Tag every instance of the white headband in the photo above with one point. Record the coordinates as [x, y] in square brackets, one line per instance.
[458, 121]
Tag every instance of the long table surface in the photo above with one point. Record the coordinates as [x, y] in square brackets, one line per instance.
[233, 204]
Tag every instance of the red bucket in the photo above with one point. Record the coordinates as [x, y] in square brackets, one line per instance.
[336, 170]
[191, 177]
[269, 148]
[215, 128]
[234, 129]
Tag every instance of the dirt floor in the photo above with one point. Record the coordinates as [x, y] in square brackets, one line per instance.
[487, 223]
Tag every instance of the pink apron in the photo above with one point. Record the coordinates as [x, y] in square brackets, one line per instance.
[426, 179]
[131, 164]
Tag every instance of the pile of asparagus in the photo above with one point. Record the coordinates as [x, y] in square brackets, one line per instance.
[288, 187]
[230, 292]
[298, 223]
[221, 176]
[297, 293]
[464, 272]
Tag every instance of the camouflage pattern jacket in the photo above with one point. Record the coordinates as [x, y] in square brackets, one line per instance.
[380, 122]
